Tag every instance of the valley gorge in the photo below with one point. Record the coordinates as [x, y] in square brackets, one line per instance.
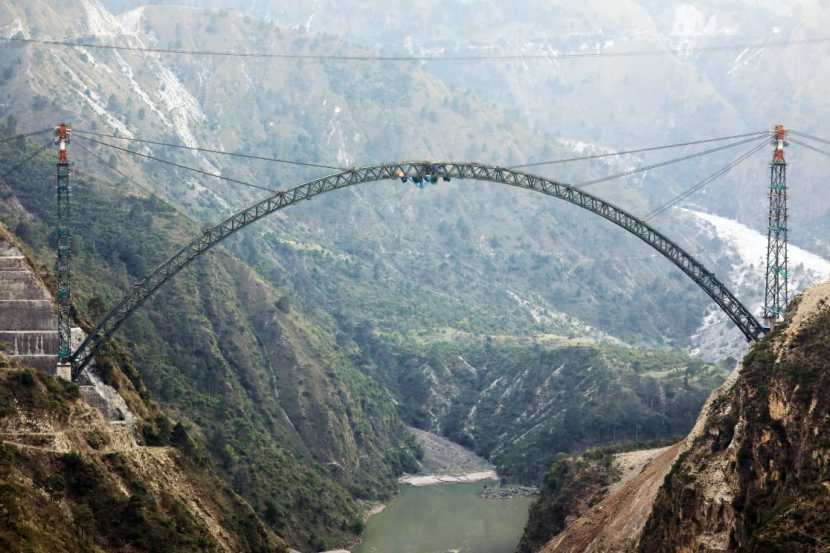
[294, 388]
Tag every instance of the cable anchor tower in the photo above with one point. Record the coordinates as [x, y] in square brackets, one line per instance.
[64, 252]
[776, 294]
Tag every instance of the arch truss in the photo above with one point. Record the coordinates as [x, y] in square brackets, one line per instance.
[419, 172]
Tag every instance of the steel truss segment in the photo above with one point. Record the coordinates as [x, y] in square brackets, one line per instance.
[733, 308]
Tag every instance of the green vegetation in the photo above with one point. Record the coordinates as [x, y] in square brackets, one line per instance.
[521, 402]
[284, 414]
[571, 485]
[90, 501]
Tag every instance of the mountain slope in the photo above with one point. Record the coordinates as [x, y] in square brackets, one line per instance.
[502, 256]
[757, 479]
[287, 418]
[83, 468]
[751, 476]
[521, 403]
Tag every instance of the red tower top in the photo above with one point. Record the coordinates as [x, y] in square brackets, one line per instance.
[780, 142]
[62, 133]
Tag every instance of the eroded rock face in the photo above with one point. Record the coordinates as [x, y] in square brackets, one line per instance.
[758, 477]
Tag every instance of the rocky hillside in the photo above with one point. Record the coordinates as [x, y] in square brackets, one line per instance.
[596, 501]
[520, 403]
[751, 476]
[97, 467]
[72, 481]
[758, 477]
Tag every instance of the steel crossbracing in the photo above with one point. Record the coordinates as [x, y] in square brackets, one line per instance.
[776, 296]
[420, 172]
[62, 263]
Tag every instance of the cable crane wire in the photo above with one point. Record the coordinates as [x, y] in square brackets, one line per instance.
[705, 182]
[551, 56]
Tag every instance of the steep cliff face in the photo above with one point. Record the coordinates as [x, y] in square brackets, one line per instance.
[758, 477]
[753, 474]
[572, 485]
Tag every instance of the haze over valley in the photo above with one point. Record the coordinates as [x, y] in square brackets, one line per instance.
[535, 307]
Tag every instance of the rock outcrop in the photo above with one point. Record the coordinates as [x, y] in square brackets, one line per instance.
[758, 477]
[754, 473]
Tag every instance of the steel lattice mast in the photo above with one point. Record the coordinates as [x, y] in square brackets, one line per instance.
[776, 294]
[64, 253]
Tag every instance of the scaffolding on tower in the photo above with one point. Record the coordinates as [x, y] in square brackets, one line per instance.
[776, 294]
[64, 253]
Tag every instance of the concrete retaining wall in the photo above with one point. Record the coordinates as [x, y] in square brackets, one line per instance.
[28, 321]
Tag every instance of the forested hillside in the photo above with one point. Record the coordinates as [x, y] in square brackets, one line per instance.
[287, 418]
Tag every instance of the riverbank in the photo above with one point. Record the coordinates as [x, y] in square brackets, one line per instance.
[507, 492]
[432, 479]
[446, 462]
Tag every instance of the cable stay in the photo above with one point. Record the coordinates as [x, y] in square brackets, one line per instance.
[129, 179]
[705, 182]
[212, 151]
[665, 163]
[23, 162]
[809, 146]
[24, 135]
[809, 136]
[552, 56]
[180, 166]
[637, 151]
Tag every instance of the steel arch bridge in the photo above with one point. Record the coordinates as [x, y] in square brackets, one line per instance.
[418, 172]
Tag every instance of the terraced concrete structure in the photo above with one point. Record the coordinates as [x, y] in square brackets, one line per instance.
[28, 322]
[29, 331]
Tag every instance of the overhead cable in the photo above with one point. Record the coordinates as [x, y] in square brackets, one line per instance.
[552, 56]
[179, 165]
[23, 162]
[211, 151]
[24, 135]
[134, 182]
[809, 147]
[664, 163]
[708, 180]
[637, 151]
[811, 137]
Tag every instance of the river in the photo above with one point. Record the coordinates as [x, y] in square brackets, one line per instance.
[446, 518]
[439, 510]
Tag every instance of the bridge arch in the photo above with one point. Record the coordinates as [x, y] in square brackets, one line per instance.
[420, 172]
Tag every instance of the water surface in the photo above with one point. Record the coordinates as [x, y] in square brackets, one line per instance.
[446, 518]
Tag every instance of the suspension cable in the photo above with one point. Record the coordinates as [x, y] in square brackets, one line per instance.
[23, 162]
[664, 163]
[708, 180]
[552, 56]
[637, 151]
[809, 147]
[128, 178]
[811, 137]
[24, 135]
[179, 165]
[211, 151]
